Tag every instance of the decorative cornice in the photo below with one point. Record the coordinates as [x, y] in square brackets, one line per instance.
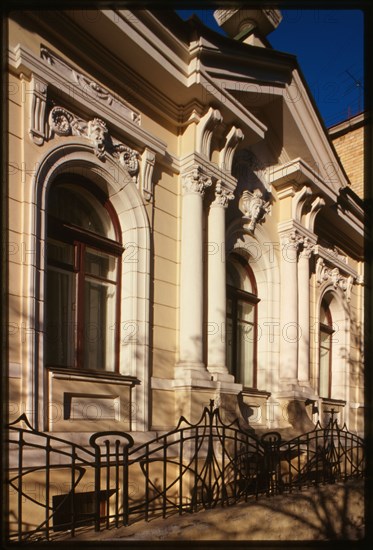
[195, 182]
[237, 21]
[89, 86]
[331, 250]
[325, 273]
[254, 208]
[64, 123]
[299, 172]
[26, 65]
[222, 196]
[334, 259]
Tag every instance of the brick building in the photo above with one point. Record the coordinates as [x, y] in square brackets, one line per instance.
[348, 140]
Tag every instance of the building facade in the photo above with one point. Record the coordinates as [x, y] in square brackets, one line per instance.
[348, 140]
[181, 229]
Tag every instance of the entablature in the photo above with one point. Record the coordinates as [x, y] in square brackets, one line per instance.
[46, 71]
[334, 259]
[330, 263]
[298, 172]
[208, 169]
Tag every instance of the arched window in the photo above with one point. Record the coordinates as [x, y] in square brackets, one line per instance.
[83, 271]
[325, 350]
[241, 322]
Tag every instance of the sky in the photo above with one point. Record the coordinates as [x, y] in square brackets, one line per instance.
[329, 45]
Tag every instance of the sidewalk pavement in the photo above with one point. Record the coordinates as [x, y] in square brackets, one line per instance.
[328, 512]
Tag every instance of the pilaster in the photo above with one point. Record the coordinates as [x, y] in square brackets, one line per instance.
[304, 310]
[290, 241]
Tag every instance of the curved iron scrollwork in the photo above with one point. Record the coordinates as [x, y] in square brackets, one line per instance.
[60, 485]
[324, 455]
[197, 466]
[38, 492]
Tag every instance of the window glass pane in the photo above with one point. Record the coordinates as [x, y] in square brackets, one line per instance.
[233, 277]
[324, 339]
[325, 315]
[60, 326]
[100, 264]
[99, 324]
[74, 205]
[60, 252]
[245, 353]
[245, 311]
[324, 364]
[238, 277]
[229, 343]
[241, 322]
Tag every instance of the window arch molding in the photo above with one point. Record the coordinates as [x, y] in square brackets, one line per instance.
[78, 157]
[259, 251]
[340, 338]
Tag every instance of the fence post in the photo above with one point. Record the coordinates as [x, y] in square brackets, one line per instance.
[111, 463]
[271, 464]
[125, 486]
[97, 466]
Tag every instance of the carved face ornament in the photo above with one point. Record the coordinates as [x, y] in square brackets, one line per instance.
[60, 121]
[97, 132]
[253, 207]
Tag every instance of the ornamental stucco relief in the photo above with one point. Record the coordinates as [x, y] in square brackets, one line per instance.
[196, 182]
[90, 87]
[325, 273]
[253, 207]
[38, 107]
[64, 123]
[333, 251]
[222, 196]
[307, 248]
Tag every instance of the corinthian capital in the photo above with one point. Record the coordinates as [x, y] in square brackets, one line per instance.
[195, 182]
[291, 239]
[222, 196]
[307, 249]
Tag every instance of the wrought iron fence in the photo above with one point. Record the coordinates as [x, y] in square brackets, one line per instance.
[58, 485]
[46, 476]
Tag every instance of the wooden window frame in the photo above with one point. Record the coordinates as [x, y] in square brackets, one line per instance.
[328, 329]
[236, 294]
[80, 238]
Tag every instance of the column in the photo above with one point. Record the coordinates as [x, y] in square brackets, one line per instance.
[304, 311]
[191, 278]
[289, 307]
[216, 339]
